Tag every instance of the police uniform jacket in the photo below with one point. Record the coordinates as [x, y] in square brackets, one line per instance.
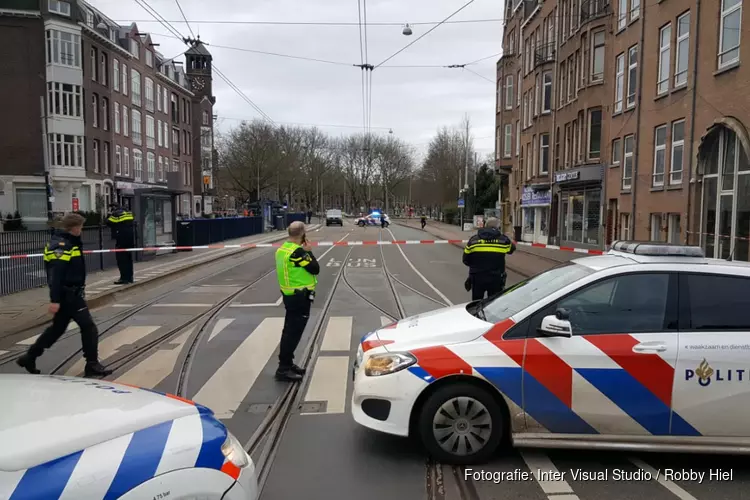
[65, 265]
[121, 222]
[485, 252]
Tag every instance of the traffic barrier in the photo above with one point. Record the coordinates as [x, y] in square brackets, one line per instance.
[312, 243]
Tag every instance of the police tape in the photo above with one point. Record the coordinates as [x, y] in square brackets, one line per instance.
[312, 243]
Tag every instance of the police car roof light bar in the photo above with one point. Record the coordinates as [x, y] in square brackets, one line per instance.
[655, 249]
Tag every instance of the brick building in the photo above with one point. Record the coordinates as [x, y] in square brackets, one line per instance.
[121, 119]
[606, 110]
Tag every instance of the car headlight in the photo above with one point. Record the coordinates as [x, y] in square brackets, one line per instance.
[383, 364]
[234, 452]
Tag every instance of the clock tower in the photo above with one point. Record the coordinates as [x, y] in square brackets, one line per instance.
[198, 69]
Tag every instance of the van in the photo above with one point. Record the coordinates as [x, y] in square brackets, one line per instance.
[334, 217]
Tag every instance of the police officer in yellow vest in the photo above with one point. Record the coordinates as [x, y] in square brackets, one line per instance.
[296, 268]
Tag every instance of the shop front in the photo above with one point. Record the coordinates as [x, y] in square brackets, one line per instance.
[535, 205]
[580, 206]
[154, 208]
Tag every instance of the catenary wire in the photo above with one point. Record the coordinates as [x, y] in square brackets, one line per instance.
[324, 23]
[185, 18]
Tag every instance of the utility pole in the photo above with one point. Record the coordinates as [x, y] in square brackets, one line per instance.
[45, 154]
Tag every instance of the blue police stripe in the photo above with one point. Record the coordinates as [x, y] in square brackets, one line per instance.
[680, 427]
[631, 396]
[214, 435]
[421, 373]
[140, 460]
[47, 480]
[536, 400]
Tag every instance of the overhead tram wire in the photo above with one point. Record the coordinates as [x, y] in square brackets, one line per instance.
[362, 68]
[369, 73]
[185, 18]
[323, 23]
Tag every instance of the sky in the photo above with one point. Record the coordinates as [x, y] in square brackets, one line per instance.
[413, 102]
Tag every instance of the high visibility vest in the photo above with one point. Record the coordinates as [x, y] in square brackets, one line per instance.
[125, 216]
[291, 271]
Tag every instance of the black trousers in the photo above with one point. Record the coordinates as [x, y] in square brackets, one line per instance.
[125, 264]
[489, 284]
[73, 307]
[297, 314]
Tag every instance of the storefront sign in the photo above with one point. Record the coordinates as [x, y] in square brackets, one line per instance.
[131, 186]
[589, 173]
[530, 197]
[568, 176]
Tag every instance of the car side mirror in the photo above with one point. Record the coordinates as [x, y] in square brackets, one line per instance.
[553, 326]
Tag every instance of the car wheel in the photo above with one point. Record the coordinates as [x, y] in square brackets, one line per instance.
[461, 424]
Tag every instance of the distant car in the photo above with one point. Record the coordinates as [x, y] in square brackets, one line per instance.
[373, 220]
[80, 438]
[334, 217]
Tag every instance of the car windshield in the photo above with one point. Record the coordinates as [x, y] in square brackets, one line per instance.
[532, 290]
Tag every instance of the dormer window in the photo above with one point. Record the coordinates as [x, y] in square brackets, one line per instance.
[59, 7]
[135, 48]
[89, 18]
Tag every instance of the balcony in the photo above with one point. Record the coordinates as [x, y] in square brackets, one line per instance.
[594, 9]
[544, 53]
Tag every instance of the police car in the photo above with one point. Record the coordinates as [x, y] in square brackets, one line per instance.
[645, 347]
[74, 438]
[374, 219]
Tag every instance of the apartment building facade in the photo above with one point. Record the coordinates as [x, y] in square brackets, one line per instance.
[119, 119]
[622, 128]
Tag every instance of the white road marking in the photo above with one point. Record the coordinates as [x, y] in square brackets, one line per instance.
[219, 327]
[123, 305]
[183, 305]
[673, 487]
[427, 282]
[540, 465]
[153, 370]
[338, 335]
[275, 304]
[329, 379]
[3, 352]
[385, 321]
[231, 383]
[109, 345]
[31, 340]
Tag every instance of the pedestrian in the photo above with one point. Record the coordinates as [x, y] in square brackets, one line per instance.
[122, 224]
[484, 254]
[309, 216]
[423, 221]
[296, 269]
[66, 277]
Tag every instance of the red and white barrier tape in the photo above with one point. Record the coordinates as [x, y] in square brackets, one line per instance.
[312, 243]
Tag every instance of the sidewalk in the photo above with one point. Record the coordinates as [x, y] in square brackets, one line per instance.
[526, 260]
[28, 309]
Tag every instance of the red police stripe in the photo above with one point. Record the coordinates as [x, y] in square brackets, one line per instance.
[439, 361]
[372, 344]
[495, 334]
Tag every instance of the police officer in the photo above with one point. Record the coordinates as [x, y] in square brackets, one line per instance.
[296, 268]
[485, 255]
[66, 277]
[423, 221]
[121, 222]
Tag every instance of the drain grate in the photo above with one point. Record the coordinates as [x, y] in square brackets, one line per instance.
[313, 407]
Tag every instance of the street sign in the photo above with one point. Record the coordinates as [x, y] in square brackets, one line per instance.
[460, 203]
[206, 180]
[75, 204]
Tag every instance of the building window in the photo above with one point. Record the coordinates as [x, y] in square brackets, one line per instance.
[64, 99]
[507, 141]
[595, 134]
[151, 159]
[135, 79]
[159, 134]
[158, 97]
[547, 94]
[117, 118]
[632, 75]
[125, 121]
[116, 75]
[729, 35]
[136, 127]
[66, 150]
[107, 194]
[624, 226]
[188, 143]
[31, 202]
[160, 169]
[627, 171]
[126, 162]
[105, 157]
[518, 137]
[104, 70]
[125, 80]
[678, 152]
[166, 135]
[149, 59]
[63, 48]
[656, 227]
[175, 142]
[118, 160]
[165, 106]
[544, 154]
[94, 110]
[135, 49]
[105, 113]
[616, 152]
[525, 109]
[619, 82]
[562, 93]
[150, 132]
[622, 18]
[59, 7]
[635, 9]
[95, 153]
[660, 155]
[683, 50]
[94, 67]
[149, 94]
[673, 229]
[137, 165]
[597, 57]
[519, 88]
[206, 116]
[175, 165]
[508, 97]
[665, 42]
[537, 94]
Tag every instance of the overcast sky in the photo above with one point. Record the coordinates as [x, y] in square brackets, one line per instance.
[414, 102]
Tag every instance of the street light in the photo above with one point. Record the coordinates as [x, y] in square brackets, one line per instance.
[407, 30]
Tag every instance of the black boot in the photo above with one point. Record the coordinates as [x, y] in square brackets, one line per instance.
[28, 363]
[298, 370]
[287, 375]
[96, 369]
[122, 282]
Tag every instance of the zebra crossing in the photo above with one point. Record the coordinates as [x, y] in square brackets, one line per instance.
[228, 386]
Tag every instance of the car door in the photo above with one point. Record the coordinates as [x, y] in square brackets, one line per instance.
[614, 374]
[712, 380]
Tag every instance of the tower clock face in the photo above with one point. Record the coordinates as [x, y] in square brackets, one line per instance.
[199, 83]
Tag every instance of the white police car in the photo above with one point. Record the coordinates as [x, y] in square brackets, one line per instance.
[374, 219]
[644, 347]
[74, 438]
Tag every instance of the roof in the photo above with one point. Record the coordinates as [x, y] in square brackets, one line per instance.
[198, 49]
